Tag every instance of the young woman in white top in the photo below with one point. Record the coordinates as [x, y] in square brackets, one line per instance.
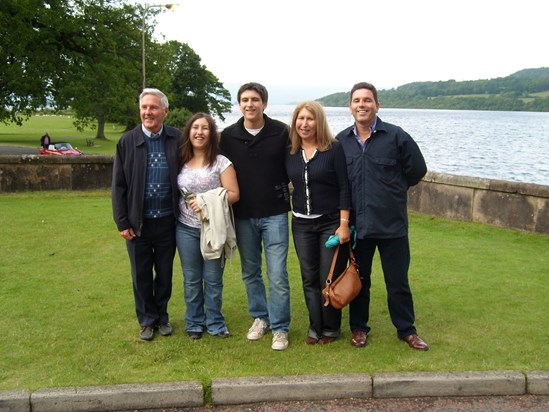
[202, 168]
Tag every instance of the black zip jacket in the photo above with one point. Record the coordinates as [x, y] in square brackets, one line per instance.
[129, 174]
[259, 164]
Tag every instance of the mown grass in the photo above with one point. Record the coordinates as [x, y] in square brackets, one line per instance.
[541, 94]
[61, 129]
[68, 316]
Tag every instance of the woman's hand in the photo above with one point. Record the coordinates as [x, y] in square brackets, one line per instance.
[193, 204]
[343, 232]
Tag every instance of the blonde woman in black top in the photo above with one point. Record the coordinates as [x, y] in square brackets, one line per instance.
[321, 202]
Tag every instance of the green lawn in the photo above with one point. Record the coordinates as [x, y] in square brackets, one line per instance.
[61, 129]
[68, 316]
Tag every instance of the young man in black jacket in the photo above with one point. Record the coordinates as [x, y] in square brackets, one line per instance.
[256, 145]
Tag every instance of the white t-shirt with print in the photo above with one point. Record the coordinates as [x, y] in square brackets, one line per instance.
[199, 181]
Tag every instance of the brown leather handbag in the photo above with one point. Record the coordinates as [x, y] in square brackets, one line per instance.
[347, 285]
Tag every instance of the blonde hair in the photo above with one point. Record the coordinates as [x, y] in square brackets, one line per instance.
[324, 137]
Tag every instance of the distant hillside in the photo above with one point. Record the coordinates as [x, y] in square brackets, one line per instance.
[525, 90]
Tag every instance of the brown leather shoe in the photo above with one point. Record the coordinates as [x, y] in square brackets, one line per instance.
[415, 342]
[360, 339]
[324, 340]
[310, 340]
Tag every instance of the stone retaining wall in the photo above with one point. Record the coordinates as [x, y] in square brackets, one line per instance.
[33, 172]
[521, 206]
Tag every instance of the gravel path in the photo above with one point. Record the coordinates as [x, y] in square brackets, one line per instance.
[524, 403]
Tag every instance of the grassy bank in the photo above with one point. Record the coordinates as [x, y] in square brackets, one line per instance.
[68, 319]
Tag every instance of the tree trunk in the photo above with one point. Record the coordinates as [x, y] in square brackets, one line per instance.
[100, 128]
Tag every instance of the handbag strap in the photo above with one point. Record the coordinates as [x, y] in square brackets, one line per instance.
[334, 260]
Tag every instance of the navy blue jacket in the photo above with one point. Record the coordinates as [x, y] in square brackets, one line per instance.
[380, 177]
[129, 174]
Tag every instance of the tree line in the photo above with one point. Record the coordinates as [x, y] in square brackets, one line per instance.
[85, 55]
[525, 90]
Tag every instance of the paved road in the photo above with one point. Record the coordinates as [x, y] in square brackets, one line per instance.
[18, 150]
[524, 403]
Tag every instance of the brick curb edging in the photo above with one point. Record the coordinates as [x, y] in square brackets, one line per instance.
[227, 391]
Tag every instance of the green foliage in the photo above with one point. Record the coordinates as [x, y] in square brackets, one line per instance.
[37, 40]
[86, 55]
[103, 82]
[522, 91]
[193, 86]
[68, 317]
[178, 117]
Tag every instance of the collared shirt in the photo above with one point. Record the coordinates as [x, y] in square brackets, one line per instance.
[150, 134]
[357, 136]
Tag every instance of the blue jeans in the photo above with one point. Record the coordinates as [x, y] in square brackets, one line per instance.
[203, 283]
[273, 232]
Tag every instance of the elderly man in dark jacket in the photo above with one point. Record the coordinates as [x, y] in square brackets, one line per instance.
[145, 201]
[383, 161]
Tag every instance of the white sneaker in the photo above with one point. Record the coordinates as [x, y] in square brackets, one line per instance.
[280, 340]
[258, 329]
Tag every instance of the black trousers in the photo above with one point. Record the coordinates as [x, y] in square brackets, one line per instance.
[151, 259]
[395, 261]
[315, 260]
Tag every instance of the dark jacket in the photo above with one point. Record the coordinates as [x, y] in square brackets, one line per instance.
[129, 174]
[328, 184]
[380, 177]
[259, 164]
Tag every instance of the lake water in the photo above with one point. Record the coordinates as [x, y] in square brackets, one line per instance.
[510, 146]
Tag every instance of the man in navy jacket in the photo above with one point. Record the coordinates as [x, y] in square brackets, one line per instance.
[383, 161]
[145, 202]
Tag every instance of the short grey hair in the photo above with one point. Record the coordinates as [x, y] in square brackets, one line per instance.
[158, 93]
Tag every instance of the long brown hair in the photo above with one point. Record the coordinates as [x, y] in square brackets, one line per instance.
[324, 137]
[186, 151]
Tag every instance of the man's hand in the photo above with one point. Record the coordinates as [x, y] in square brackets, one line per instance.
[128, 234]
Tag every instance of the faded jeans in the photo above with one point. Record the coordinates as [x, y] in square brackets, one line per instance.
[273, 232]
[203, 283]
